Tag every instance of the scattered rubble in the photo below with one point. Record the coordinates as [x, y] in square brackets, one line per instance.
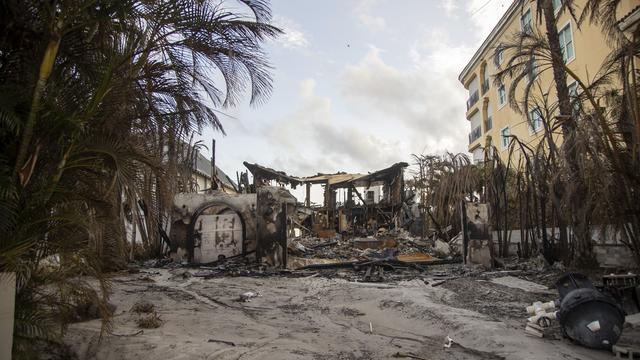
[384, 254]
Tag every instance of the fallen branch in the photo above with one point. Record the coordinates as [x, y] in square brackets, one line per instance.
[222, 341]
[133, 334]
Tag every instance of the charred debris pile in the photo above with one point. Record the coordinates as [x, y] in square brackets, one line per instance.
[367, 222]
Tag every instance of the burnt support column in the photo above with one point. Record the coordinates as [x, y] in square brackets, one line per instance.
[465, 231]
[272, 229]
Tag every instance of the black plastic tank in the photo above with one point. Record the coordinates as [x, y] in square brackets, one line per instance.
[587, 316]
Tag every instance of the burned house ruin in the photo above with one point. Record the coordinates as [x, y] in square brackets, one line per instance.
[256, 223]
[357, 213]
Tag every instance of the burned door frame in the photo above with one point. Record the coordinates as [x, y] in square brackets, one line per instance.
[192, 223]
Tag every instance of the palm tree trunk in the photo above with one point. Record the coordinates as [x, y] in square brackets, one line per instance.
[580, 215]
[46, 66]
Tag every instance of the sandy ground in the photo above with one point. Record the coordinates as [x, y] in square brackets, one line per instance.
[319, 318]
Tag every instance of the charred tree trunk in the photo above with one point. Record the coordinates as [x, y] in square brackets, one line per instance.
[580, 214]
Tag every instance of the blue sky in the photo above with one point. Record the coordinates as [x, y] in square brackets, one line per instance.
[359, 85]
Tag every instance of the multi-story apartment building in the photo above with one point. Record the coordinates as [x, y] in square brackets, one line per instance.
[491, 118]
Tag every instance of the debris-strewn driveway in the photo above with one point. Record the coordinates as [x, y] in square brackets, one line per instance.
[315, 318]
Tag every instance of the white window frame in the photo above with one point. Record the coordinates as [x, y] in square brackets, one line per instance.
[568, 24]
[573, 83]
[532, 70]
[532, 129]
[500, 103]
[530, 16]
[502, 138]
[573, 97]
[556, 10]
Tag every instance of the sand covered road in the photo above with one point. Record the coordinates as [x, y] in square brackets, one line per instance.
[309, 318]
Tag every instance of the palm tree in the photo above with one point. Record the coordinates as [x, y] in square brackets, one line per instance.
[598, 148]
[97, 102]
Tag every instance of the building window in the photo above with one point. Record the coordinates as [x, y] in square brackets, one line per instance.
[370, 196]
[532, 70]
[478, 155]
[556, 5]
[505, 139]
[499, 55]
[475, 134]
[525, 21]
[573, 95]
[502, 95]
[566, 43]
[535, 120]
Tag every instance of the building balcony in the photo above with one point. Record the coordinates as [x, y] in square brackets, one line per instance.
[475, 134]
[485, 86]
[473, 99]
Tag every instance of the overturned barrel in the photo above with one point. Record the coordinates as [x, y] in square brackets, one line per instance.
[587, 316]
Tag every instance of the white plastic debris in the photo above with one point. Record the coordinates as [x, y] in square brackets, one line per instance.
[538, 306]
[447, 342]
[246, 297]
[542, 313]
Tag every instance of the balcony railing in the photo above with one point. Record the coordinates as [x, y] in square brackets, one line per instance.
[473, 99]
[485, 86]
[489, 123]
[475, 134]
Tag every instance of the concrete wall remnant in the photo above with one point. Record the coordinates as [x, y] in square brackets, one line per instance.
[479, 253]
[272, 214]
[477, 233]
[217, 225]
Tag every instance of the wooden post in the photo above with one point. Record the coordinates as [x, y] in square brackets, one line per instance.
[465, 231]
[7, 309]
[307, 199]
[214, 177]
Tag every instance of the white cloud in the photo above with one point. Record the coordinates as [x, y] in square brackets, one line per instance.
[293, 36]
[449, 7]
[310, 139]
[363, 11]
[426, 97]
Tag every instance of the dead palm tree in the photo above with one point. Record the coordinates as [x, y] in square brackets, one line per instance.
[590, 133]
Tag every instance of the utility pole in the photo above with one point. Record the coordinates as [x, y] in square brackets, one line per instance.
[214, 176]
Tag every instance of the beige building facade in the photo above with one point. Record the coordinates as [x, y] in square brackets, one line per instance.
[492, 120]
